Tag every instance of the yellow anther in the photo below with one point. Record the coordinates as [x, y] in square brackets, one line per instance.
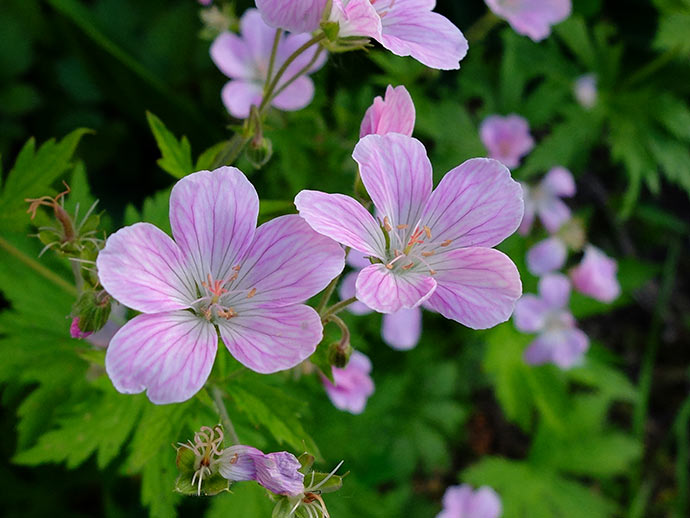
[428, 254]
[427, 231]
[251, 293]
[402, 227]
[447, 242]
[387, 224]
[408, 266]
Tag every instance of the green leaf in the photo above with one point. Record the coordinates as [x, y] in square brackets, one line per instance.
[33, 174]
[176, 155]
[536, 492]
[208, 157]
[247, 499]
[157, 483]
[672, 33]
[574, 34]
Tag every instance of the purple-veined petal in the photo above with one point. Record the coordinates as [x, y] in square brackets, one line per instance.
[553, 212]
[287, 263]
[231, 55]
[402, 329]
[559, 182]
[530, 314]
[296, 96]
[356, 18]
[343, 219]
[213, 217]
[142, 268]
[259, 39]
[547, 256]
[554, 290]
[477, 287]
[357, 259]
[238, 463]
[347, 290]
[292, 15]
[388, 292]
[353, 384]
[397, 175]
[409, 28]
[596, 276]
[169, 355]
[530, 212]
[394, 114]
[475, 204]
[279, 473]
[239, 96]
[272, 339]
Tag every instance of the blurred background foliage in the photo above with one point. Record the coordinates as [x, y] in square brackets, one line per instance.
[610, 438]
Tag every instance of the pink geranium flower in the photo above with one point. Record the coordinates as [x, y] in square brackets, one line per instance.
[559, 341]
[596, 275]
[463, 502]
[426, 246]
[506, 138]
[394, 114]
[405, 27]
[402, 329]
[547, 256]
[292, 15]
[278, 472]
[532, 18]
[245, 60]
[220, 274]
[353, 384]
[544, 200]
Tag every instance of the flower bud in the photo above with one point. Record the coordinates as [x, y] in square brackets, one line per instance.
[339, 354]
[259, 151]
[91, 312]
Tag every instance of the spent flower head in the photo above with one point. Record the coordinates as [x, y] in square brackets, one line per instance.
[207, 451]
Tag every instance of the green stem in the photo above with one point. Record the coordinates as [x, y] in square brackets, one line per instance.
[299, 74]
[327, 295]
[272, 61]
[344, 330]
[38, 267]
[682, 430]
[482, 27]
[337, 308]
[650, 68]
[232, 150]
[274, 82]
[224, 416]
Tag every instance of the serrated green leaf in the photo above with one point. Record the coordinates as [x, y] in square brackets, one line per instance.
[246, 499]
[176, 155]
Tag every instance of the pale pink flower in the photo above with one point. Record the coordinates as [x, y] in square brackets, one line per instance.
[433, 247]
[547, 256]
[596, 275]
[394, 114]
[292, 15]
[585, 90]
[559, 341]
[278, 472]
[506, 138]
[245, 60]
[544, 200]
[463, 502]
[402, 329]
[405, 27]
[220, 275]
[353, 384]
[532, 18]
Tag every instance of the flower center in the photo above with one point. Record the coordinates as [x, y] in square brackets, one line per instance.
[217, 298]
[408, 250]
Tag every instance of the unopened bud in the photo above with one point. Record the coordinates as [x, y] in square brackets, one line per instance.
[339, 354]
[259, 151]
[91, 310]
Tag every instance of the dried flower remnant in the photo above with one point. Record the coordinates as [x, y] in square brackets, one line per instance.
[559, 341]
[506, 138]
[246, 60]
[207, 451]
[220, 274]
[433, 247]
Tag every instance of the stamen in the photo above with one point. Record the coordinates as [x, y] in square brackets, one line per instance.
[432, 272]
[428, 254]
[227, 313]
[402, 227]
[387, 224]
[234, 459]
[447, 242]
[427, 231]
[414, 238]
[237, 267]
[251, 293]
[408, 266]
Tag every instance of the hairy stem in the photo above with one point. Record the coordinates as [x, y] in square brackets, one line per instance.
[272, 60]
[299, 74]
[224, 416]
[232, 150]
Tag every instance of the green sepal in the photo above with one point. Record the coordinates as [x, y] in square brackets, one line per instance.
[93, 309]
[331, 30]
[307, 461]
[333, 484]
[209, 486]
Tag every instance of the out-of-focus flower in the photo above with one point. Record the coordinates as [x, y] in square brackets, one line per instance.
[433, 247]
[532, 18]
[402, 329]
[596, 275]
[463, 502]
[544, 200]
[585, 90]
[205, 2]
[220, 273]
[278, 472]
[353, 384]
[559, 341]
[506, 138]
[394, 114]
[245, 60]
[405, 27]
[547, 256]
[292, 15]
